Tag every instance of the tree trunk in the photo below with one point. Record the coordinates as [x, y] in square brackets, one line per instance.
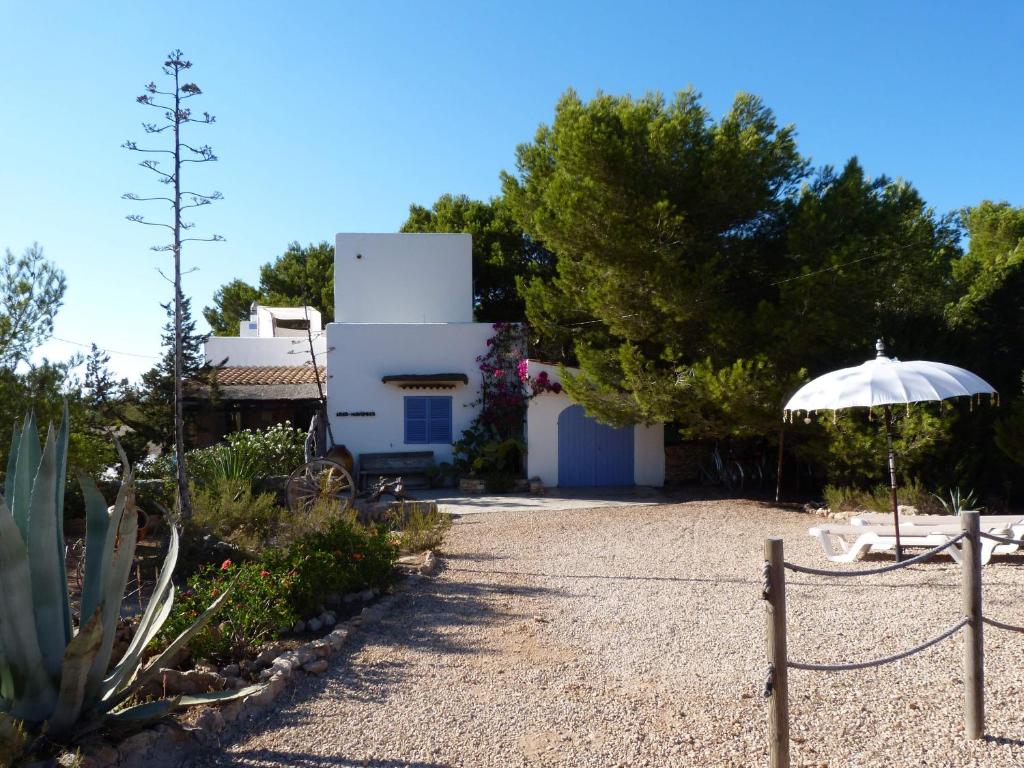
[184, 502]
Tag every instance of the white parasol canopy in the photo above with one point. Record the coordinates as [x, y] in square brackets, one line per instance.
[887, 381]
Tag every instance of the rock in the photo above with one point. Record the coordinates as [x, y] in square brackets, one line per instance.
[304, 654]
[103, 756]
[210, 719]
[313, 625]
[536, 485]
[194, 681]
[337, 638]
[205, 666]
[366, 595]
[268, 653]
[231, 711]
[317, 667]
[136, 746]
[332, 601]
[906, 510]
[236, 683]
[299, 627]
[350, 598]
[371, 614]
[321, 648]
[327, 619]
[429, 563]
[231, 670]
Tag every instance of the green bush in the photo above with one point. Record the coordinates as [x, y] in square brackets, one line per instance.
[256, 610]
[332, 553]
[420, 526]
[343, 557]
[232, 512]
[878, 498]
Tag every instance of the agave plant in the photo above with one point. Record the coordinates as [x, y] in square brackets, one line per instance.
[52, 672]
[958, 502]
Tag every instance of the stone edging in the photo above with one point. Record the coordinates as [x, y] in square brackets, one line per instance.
[168, 745]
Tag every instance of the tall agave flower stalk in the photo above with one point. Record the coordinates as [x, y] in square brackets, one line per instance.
[51, 671]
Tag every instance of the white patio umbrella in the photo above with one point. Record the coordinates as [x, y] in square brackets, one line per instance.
[886, 382]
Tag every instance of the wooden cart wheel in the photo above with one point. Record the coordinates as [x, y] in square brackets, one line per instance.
[319, 479]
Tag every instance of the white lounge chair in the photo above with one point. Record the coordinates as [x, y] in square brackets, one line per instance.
[879, 538]
[915, 531]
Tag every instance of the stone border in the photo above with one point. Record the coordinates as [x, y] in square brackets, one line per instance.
[169, 745]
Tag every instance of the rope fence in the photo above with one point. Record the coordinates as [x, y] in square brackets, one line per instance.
[884, 660]
[922, 558]
[776, 688]
[1002, 539]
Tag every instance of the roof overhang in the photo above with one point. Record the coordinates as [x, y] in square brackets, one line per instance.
[427, 380]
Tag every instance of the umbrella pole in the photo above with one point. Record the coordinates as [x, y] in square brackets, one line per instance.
[892, 483]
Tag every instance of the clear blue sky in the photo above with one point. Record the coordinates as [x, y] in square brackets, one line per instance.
[335, 116]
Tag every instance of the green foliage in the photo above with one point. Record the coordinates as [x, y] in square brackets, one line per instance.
[149, 409]
[229, 509]
[300, 275]
[878, 498]
[254, 612]
[326, 552]
[344, 556]
[502, 253]
[276, 450]
[492, 447]
[49, 672]
[958, 502]
[1009, 433]
[31, 291]
[421, 526]
[854, 450]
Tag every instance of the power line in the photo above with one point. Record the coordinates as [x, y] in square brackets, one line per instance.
[104, 349]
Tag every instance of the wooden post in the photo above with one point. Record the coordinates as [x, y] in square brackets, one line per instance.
[777, 687]
[974, 650]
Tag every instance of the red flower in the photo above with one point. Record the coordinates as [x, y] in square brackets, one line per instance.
[215, 592]
[225, 565]
[264, 574]
[357, 555]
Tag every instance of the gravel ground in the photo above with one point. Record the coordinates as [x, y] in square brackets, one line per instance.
[635, 636]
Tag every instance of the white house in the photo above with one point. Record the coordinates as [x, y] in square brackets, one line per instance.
[264, 376]
[403, 372]
[401, 356]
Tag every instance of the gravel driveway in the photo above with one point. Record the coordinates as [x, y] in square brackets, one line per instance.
[635, 636]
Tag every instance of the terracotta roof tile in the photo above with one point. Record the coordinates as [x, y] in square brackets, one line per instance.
[256, 375]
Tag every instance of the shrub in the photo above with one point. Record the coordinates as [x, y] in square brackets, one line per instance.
[878, 498]
[344, 556]
[420, 526]
[255, 611]
[229, 510]
[276, 450]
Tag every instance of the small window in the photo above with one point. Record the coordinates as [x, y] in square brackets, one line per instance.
[428, 420]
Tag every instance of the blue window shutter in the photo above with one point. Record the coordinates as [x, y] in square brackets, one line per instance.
[416, 420]
[440, 420]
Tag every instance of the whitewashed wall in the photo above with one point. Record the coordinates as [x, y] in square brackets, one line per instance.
[403, 278]
[361, 354]
[263, 351]
[542, 438]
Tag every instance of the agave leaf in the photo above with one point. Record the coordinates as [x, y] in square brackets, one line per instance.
[62, 473]
[78, 660]
[114, 697]
[48, 591]
[219, 696]
[144, 713]
[116, 579]
[34, 693]
[157, 611]
[100, 533]
[12, 463]
[24, 473]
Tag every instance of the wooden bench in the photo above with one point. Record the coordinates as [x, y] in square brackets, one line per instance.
[412, 466]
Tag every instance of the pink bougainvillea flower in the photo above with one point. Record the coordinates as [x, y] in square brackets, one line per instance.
[264, 574]
[225, 565]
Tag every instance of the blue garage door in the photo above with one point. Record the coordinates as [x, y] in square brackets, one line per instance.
[590, 453]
